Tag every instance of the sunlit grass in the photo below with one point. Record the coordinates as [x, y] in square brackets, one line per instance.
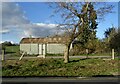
[56, 67]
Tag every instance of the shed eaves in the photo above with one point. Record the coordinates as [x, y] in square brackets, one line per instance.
[44, 40]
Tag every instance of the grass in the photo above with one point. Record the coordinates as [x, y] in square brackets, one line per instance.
[102, 54]
[56, 67]
[12, 51]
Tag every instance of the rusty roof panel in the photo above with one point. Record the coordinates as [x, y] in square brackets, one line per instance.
[44, 40]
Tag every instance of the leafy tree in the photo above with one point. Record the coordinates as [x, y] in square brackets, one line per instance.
[80, 18]
[115, 41]
[7, 43]
[109, 32]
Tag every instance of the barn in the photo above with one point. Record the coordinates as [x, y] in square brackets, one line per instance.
[43, 46]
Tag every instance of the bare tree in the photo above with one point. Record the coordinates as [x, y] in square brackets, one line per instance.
[78, 17]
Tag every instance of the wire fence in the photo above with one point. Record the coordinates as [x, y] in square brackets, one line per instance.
[13, 52]
[73, 54]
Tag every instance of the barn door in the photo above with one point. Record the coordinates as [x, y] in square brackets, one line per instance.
[42, 49]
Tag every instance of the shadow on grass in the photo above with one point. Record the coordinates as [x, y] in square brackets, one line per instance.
[106, 76]
[103, 76]
[78, 60]
[9, 52]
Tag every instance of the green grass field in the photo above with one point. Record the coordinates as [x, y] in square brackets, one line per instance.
[56, 67]
[11, 49]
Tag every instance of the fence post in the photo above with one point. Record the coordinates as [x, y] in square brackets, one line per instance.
[86, 53]
[113, 55]
[3, 55]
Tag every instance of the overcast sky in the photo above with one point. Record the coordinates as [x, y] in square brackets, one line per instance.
[22, 19]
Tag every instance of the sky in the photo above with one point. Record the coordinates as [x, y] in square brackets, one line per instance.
[22, 19]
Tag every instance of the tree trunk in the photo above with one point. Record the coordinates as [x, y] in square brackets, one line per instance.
[66, 54]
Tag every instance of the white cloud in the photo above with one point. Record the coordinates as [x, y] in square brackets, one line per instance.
[42, 30]
[12, 16]
[1, 42]
[14, 20]
[4, 31]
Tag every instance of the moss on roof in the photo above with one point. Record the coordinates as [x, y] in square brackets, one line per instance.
[54, 39]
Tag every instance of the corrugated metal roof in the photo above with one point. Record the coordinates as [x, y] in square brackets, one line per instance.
[45, 40]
